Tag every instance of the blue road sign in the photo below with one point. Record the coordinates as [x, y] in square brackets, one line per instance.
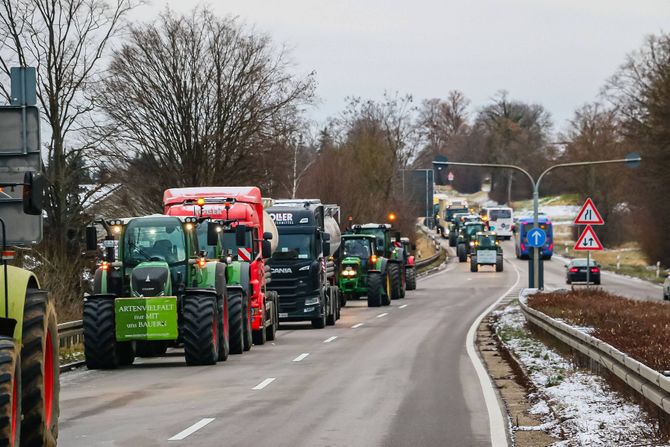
[536, 237]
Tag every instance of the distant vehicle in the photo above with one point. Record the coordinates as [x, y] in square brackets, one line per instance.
[523, 226]
[576, 271]
[486, 251]
[500, 220]
[666, 288]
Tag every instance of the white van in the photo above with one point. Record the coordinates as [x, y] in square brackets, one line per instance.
[500, 220]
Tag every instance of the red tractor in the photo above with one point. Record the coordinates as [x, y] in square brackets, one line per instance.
[247, 230]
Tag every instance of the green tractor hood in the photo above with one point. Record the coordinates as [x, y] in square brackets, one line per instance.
[150, 279]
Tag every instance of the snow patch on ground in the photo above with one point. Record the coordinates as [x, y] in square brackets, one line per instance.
[555, 212]
[577, 407]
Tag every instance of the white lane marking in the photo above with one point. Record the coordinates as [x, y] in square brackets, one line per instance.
[382, 315]
[328, 340]
[264, 383]
[403, 306]
[301, 357]
[192, 429]
[497, 425]
[356, 325]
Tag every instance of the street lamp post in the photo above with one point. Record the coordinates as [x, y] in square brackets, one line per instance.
[631, 159]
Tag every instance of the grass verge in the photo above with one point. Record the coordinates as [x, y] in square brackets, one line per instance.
[641, 329]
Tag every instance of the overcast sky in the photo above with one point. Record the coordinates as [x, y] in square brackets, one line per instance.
[554, 52]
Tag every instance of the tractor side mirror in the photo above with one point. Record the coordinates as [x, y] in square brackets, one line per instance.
[91, 238]
[213, 233]
[413, 247]
[241, 235]
[33, 193]
[326, 248]
[266, 249]
[325, 237]
[397, 236]
[267, 236]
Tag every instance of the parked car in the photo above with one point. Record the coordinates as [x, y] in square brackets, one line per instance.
[576, 271]
[666, 287]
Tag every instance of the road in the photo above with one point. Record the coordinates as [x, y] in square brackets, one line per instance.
[390, 376]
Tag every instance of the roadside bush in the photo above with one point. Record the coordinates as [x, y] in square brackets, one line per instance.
[639, 328]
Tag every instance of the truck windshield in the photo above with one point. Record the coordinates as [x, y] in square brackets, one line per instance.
[356, 247]
[500, 214]
[154, 241]
[294, 246]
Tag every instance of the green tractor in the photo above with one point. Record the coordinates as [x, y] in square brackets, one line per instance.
[466, 238]
[153, 289]
[410, 268]
[362, 272]
[391, 250]
[453, 218]
[486, 251]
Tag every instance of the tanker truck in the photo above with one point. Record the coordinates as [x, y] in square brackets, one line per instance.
[303, 272]
[253, 310]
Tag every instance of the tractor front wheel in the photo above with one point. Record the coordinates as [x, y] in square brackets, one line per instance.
[499, 264]
[473, 264]
[10, 393]
[100, 347]
[201, 341]
[40, 370]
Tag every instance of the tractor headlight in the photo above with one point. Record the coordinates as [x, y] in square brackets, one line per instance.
[472, 244]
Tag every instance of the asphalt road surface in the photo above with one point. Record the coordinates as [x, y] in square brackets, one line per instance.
[390, 376]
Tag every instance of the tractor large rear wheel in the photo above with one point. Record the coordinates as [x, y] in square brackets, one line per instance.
[396, 281]
[100, 347]
[236, 319]
[410, 273]
[223, 316]
[40, 370]
[375, 286]
[462, 253]
[10, 393]
[388, 290]
[201, 340]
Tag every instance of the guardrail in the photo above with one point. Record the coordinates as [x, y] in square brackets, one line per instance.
[70, 334]
[651, 384]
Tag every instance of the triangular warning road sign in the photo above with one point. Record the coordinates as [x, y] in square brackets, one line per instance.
[589, 214]
[588, 240]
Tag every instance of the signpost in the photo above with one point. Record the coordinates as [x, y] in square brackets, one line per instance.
[537, 237]
[588, 241]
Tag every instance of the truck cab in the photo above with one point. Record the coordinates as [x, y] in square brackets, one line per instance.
[302, 273]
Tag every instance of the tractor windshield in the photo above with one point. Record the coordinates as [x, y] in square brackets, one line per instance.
[295, 246]
[473, 229]
[486, 241]
[357, 247]
[154, 240]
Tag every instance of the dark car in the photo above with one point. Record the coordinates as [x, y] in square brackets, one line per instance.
[576, 272]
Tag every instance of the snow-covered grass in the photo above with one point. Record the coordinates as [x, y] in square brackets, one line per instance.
[576, 407]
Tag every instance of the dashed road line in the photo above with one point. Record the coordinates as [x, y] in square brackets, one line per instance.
[382, 315]
[301, 357]
[356, 325]
[403, 306]
[192, 429]
[264, 383]
[328, 340]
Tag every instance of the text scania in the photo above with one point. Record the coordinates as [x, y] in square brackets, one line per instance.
[282, 218]
[147, 308]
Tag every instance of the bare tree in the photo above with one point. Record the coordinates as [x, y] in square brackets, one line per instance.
[65, 40]
[640, 91]
[195, 100]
